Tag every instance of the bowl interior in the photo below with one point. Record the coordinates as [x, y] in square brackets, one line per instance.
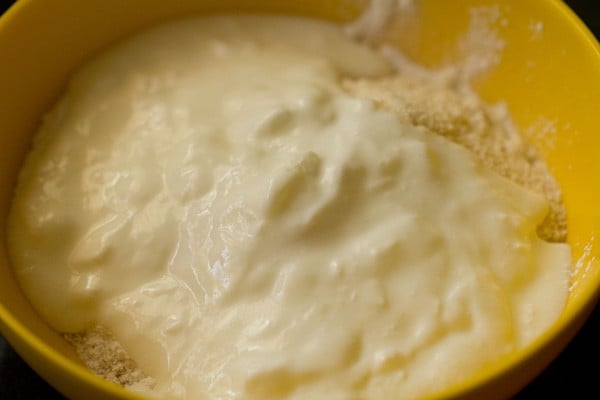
[545, 66]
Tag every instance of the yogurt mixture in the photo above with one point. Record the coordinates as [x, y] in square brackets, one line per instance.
[210, 194]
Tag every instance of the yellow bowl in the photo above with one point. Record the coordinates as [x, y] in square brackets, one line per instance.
[548, 74]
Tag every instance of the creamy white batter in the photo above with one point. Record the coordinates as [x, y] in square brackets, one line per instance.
[247, 230]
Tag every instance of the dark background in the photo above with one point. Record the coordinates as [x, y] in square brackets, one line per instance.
[574, 371]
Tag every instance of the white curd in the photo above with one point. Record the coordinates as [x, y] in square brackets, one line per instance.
[247, 230]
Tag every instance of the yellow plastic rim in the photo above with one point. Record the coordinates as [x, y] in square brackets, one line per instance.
[580, 196]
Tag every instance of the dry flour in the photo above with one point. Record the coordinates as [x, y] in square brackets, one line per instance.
[435, 100]
[442, 104]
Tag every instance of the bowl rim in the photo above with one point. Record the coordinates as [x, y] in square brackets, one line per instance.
[16, 332]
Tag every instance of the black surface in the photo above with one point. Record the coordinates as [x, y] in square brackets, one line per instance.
[574, 372]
